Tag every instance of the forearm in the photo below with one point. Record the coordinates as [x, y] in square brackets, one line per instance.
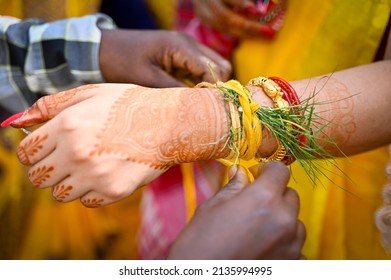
[198, 122]
[354, 105]
[65, 53]
[175, 125]
[351, 109]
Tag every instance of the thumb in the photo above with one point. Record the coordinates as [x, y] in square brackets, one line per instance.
[237, 182]
[49, 106]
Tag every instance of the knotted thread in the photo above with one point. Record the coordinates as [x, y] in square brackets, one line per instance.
[245, 130]
[244, 140]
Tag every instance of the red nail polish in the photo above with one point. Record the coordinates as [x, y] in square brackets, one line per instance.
[11, 119]
[251, 10]
[267, 32]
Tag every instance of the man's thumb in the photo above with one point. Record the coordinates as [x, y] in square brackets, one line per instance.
[238, 180]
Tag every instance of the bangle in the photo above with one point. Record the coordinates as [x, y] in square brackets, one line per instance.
[245, 132]
[284, 97]
[289, 120]
[293, 122]
[272, 90]
[289, 93]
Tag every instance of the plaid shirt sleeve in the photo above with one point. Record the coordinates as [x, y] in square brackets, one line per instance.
[39, 58]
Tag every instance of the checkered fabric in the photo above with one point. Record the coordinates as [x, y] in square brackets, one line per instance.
[39, 58]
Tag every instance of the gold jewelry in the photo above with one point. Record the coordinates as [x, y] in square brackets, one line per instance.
[273, 91]
[278, 155]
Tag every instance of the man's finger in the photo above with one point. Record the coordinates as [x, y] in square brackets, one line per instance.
[237, 182]
[292, 200]
[274, 176]
[222, 68]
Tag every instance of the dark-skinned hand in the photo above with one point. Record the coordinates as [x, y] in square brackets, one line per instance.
[158, 59]
[256, 221]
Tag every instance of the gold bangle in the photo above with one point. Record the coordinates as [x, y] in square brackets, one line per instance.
[235, 120]
[273, 91]
[279, 154]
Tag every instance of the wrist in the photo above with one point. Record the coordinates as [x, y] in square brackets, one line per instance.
[269, 142]
[201, 128]
[105, 55]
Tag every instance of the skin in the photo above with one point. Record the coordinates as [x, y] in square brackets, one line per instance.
[178, 60]
[267, 228]
[148, 130]
[236, 17]
[104, 133]
[90, 140]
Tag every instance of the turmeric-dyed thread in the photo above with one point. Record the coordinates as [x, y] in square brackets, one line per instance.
[245, 138]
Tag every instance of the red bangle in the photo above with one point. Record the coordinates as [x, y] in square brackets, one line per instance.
[289, 95]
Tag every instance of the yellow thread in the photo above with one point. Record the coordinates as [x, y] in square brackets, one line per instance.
[249, 137]
[246, 134]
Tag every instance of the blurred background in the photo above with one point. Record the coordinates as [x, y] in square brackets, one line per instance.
[309, 38]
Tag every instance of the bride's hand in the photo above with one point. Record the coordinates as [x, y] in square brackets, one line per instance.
[101, 142]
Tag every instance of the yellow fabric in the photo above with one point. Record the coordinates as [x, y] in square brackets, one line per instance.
[163, 11]
[320, 37]
[11, 8]
[42, 9]
[34, 226]
[77, 8]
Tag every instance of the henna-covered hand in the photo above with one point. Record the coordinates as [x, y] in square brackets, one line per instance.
[236, 17]
[101, 142]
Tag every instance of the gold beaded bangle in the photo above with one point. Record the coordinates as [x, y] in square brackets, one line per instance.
[235, 120]
[273, 91]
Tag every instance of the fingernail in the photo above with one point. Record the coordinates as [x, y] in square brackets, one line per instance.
[11, 119]
[252, 10]
[232, 171]
[267, 32]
